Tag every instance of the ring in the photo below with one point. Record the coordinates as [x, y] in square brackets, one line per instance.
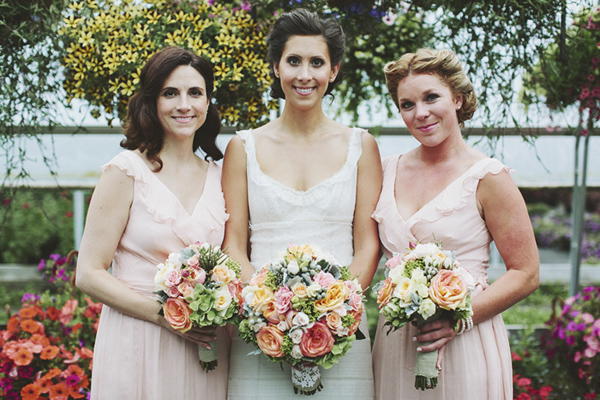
[439, 370]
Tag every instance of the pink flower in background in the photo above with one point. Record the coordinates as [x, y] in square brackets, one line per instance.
[66, 314]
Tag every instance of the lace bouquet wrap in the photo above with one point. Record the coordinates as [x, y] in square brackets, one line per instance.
[199, 286]
[303, 309]
[424, 285]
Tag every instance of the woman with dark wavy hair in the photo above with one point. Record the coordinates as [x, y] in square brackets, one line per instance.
[303, 179]
[155, 198]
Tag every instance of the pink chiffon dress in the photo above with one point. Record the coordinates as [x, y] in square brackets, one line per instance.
[477, 365]
[135, 359]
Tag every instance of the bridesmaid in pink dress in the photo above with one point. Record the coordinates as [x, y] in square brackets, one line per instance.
[445, 188]
[155, 198]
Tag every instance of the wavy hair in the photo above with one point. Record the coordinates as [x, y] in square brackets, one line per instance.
[301, 22]
[143, 129]
[442, 63]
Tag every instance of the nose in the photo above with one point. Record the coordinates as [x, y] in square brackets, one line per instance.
[304, 73]
[421, 111]
[183, 103]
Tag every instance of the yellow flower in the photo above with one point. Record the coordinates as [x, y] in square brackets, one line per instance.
[153, 17]
[86, 39]
[223, 39]
[237, 73]
[76, 6]
[127, 88]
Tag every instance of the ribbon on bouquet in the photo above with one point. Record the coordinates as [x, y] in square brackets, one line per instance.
[306, 379]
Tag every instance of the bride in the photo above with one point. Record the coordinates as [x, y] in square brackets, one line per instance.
[302, 179]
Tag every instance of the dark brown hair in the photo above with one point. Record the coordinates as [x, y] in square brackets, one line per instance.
[143, 129]
[301, 22]
[442, 63]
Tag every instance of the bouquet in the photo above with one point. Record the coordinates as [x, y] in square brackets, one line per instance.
[199, 286]
[303, 309]
[424, 285]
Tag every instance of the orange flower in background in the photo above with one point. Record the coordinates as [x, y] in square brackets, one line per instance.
[39, 339]
[28, 312]
[44, 384]
[29, 326]
[31, 392]
[53, 313]
[84, 352]
[49, 352]
[13, 324]
[76, 327]
[23, 356]
[93, 309]
[59, 391]
[52, 373]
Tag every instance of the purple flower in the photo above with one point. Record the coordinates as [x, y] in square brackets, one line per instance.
[25, 372]
[72, 380]
[6, 367]
[571, 326]
[42, 264]
[562, 334]
[33, 297]
[6, 383]
[55, 257]
[581, 327]
[589, 289]
[574, 313]
[571, 340]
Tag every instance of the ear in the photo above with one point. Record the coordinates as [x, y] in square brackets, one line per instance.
[276, 69]
[334, 72]
[458, 101]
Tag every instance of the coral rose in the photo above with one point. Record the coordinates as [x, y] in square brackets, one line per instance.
[270, 339]
[177, 314]
[357, 318]
[385, 293]
[448, 289]
[335, 296]
[317, 341]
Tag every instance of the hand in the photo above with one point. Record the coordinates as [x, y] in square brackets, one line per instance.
[439, 333]
[200, 336]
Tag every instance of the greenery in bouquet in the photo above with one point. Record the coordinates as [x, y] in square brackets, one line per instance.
[303, 307]
[47, 346]
[423, 285]
[573, 341]
[199, 286]
[107, 42]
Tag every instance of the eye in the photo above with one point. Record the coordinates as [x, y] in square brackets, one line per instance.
[317, 62]
[293, 60]
[196, 92]
[168, 93]
[431, 97]
[406, 105]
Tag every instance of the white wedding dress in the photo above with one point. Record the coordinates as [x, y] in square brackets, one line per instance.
[321, 216]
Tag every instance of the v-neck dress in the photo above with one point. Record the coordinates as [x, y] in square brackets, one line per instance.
[321, 216]
[477, 365]
[136, 359]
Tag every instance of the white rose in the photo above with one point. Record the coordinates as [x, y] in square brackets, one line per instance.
[396, 274]
[419, 277]
[175, 260]
[300, 319]
[343, 331]
[161, 275]
[296, 335]
[341, 311]
[313, 289]
[422, 290]
[296, 352]
[404, 291]
[293, 267]
[223, 300]
[427, 308]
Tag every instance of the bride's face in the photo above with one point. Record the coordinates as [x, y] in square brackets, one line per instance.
[305, 70]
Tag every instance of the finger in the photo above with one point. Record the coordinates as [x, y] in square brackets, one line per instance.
[440, 358]
[434, 345]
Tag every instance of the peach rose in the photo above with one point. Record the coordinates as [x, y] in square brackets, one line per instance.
[448, 289]
[300, 290]
[334, 297]
[385, 293]
[357, 318]
[260, 277]
[271, 313]
[173, 278]
[186, 288]
[334, 321]
[317, 341]
[270, 339]
[177, 314]
[196, 275]
[222, 274]
[262, 297]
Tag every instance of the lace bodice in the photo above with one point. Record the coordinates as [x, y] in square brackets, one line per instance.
[322, 215]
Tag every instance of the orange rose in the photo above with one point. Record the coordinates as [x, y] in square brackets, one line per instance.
[317, 341]
[448, 289]
[385, 293]
[334, 321]
[357, 317]
[270, 339]
[335, 296]
[177, 314]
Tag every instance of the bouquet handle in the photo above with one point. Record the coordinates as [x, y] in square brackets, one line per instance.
[208, 358]
[306, 379]
[426, 372]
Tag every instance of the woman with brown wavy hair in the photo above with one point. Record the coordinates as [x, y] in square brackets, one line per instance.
[155, 198]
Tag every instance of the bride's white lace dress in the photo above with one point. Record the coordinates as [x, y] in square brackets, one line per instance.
[321, 216]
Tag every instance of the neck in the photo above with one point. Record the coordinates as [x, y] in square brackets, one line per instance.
[179, 151]
[449, 150]
[303, 122]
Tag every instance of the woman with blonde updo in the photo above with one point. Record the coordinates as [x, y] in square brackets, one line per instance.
[446, 191]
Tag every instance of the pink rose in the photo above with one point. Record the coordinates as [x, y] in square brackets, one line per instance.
[324, 279]
[317, 341]
[355, 301]
[173, 279]
[185, 289]
[177, 314]
[197, 276]
[193, 261]
[448, 290]
[394, 261]
[283, 298]
[271, 314]
[173, 291]
[385, 293]
[270, 339]
[235, 289]
[259, 278]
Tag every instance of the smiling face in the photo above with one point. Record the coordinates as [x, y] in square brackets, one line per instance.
[305, 70]
[182, 103]
[428, 108]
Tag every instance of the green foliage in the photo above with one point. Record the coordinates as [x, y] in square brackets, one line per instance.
[30, 84]
[35, 224]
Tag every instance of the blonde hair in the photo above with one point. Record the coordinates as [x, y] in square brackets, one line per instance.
[442, 63]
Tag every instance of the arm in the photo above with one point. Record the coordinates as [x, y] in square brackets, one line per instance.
[106, 220]
[505, 213]
[368, 189]
[235, 191]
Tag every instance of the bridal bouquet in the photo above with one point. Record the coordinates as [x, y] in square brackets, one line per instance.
[424, 285]
[303, 309]
[199, 286]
